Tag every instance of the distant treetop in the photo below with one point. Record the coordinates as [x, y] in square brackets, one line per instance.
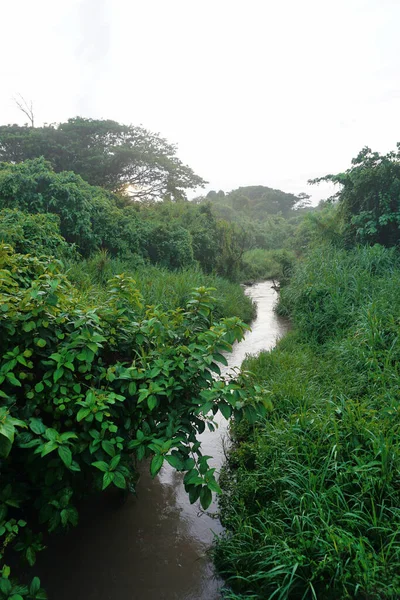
[105, 153]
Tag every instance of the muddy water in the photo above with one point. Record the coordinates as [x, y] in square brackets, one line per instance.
[154, 547]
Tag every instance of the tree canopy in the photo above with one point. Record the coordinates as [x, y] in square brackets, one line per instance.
[369, 197]
[105, 153]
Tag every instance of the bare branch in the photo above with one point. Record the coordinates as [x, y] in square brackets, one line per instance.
[26, 108]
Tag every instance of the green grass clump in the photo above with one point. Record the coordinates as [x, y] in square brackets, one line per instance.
[158, 285]
[311, 495]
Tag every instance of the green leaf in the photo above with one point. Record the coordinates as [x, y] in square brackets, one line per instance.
[175, 462]
[226, 410]
[213, 486]
[35, 586]
[49, 447]
[152, 401]
[37, 426]
[205, 497]
[66, 455]
[194, 493]
[119, 480]
[108, 447]
[100, 464]
[107, 479]
[39, 387]
[82, 414]
[58, 373]
[31, 556]
[156, 464]
[115, 462]
[41, 342]
[13, 380]
[16, 596]
[5, 586]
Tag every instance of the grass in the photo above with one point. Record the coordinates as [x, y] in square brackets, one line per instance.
[311, 495]
[158, 285]
[259, 264]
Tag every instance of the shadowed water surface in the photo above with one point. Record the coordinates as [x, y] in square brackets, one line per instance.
[155, 546]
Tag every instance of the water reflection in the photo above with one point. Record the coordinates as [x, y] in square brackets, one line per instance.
[155, 546]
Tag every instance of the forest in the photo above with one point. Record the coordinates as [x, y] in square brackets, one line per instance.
[119, 299]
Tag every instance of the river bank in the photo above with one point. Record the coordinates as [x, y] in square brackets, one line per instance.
[156, 545]
[311, 493]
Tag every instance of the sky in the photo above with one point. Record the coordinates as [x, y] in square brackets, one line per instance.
[256, 92]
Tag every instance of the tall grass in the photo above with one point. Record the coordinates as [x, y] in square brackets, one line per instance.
[311, 497]
[158, 285]
[261, 264]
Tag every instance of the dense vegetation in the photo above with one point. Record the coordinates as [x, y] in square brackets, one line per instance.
[107, 354]
[311, 494]
[105, 153]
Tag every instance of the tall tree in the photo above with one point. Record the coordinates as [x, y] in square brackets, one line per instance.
[369, 197]
[105, 153]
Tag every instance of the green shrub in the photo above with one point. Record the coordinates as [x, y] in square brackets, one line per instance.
[85, 388]
[33, 234]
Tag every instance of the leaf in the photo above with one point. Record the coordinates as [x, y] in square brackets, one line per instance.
[49, 447]
[119, 480]
[221, 359]
[101, 465]
[152, 401]
[41, 342]
[58, 373]
[175, 462]
[194, 493]
[108, 447]
[156, 464]
[213, 486]
[13, 380]
[37, 426]
[115, 462]
[226, 410]
[107, 479]
[82, 414]
[205, 497]
[35, 586]
[5, 586]
[66, 455]
[39, 387]
[31, 556]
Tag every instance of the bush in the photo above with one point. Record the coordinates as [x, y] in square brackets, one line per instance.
[34, 234]
[86, 388]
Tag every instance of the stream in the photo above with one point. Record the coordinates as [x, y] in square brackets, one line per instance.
[154, 547]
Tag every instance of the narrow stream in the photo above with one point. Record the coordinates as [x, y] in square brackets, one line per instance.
[154, 547]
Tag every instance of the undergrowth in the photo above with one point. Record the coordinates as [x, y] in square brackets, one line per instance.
[311, 495]
[159, 286]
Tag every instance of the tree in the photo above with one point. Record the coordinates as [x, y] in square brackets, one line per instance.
[105, 153]
[26, 108]
[369, 197]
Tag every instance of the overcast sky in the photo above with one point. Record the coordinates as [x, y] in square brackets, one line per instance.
[270, 92]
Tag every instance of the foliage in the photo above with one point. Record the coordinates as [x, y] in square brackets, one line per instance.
[105, 153]
[85, 389]
[256, 201]
[370, 197]
[267, 264]
[311, 494]
[159, 286]
[35, 234]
